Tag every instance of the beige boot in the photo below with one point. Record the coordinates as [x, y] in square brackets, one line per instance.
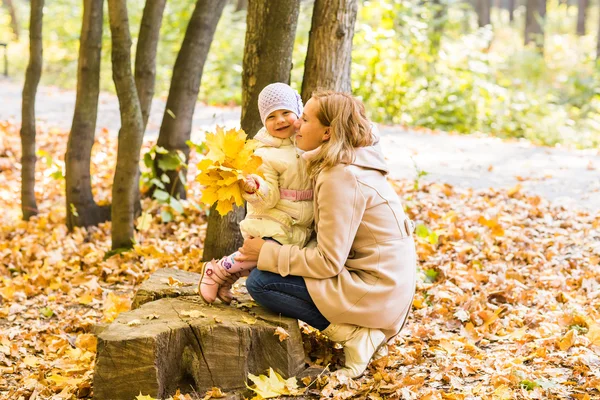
[360, 344]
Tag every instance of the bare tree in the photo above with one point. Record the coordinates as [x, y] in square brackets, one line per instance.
[32, 79]
[329, 54]
[270, 32]
[131, 133]
[176, 125]
[82, 210]
[582, 6]
[145, 55]
[533, 28]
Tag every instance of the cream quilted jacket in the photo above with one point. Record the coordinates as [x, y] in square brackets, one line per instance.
[286, 221]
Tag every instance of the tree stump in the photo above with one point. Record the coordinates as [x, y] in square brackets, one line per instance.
[157, 286]
[170, 343]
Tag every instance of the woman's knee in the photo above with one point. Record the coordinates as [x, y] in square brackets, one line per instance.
[254, 282]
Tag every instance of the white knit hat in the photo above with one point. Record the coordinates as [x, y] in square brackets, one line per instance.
[278, 96]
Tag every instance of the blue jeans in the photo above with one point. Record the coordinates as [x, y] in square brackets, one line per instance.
[287, 296]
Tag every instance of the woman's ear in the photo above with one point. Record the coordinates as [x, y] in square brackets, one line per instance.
[326, 135]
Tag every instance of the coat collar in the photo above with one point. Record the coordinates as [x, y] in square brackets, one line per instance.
[268, 140]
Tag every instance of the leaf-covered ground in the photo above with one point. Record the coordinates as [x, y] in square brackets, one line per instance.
[507, 306]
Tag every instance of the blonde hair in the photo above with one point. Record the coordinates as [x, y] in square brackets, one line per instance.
[349, 128]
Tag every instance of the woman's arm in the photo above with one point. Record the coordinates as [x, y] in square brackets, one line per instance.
[340, 205]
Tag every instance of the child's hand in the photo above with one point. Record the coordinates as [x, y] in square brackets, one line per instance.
[249, 185]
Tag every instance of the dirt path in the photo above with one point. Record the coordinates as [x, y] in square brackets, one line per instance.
[566, 177]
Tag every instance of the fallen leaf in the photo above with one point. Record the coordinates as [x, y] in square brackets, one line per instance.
[193, 314]
[282, 333]
[249, 320]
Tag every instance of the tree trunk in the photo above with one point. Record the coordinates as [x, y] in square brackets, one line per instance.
[241, 5]
[484, 9]
[598, 40]
[439, 22]
[130, 136]
[582, 6]
[533, 28]
[543, 11]
[145, 55]
[270, 33]
[329, 51]
[14, 21]
[511, 10]
[32, 79]
[82, 210]
[176, 126]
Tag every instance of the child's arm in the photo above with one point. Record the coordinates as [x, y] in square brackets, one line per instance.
[266, 194]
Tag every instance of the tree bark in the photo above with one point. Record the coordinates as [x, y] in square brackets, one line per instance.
[329, 53]
[484, 9]
[241, 5]
[543, 10]
[145, 55]
[598, 40]
[176, 125]
[270, 34]
[582, 6]
[32, 79]
[533, 28]
[14, 21]
[130, 136]
[82, 210]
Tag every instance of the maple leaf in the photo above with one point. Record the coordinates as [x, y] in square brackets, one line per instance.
[114, 305]
[213, 393]
[229, 159]
[142, 397]
[281, 333]
[274, 385]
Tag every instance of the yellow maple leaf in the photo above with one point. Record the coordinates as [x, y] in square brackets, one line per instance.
[594, 333]
[568, 340]
[224, 206]
[229, 159]
[142, 397]
[114, 305]
[274, 385]
[213, 393]
[86, 341]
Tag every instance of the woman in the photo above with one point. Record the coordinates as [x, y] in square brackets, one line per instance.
[357, 281]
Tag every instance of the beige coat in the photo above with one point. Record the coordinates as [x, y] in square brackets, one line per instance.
[287, 221]
[362, 270]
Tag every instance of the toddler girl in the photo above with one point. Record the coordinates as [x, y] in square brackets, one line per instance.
[280, 206]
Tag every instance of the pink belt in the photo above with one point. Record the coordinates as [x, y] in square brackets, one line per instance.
[295, 195]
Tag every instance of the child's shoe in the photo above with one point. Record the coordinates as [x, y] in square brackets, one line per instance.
[213, 275]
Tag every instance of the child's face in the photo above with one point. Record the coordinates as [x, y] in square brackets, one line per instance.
[280, 123]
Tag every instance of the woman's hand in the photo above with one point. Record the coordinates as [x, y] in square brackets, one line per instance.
[250, 250]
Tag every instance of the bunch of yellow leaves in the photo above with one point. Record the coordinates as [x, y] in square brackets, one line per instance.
[230, 158]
